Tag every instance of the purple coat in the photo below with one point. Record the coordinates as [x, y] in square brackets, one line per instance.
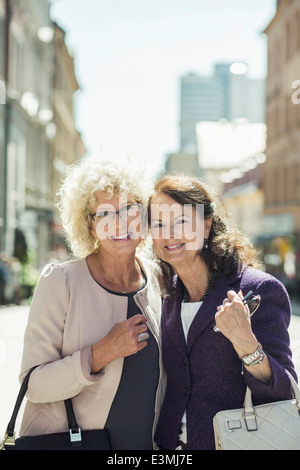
[205, 375]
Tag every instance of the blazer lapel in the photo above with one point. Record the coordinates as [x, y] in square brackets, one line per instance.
[206, 313]
[172, 319]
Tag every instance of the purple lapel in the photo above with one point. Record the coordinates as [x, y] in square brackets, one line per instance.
[172, 324]
[205, 315]
[208, 309]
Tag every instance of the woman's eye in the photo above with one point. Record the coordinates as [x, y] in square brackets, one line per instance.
[157, 225]
[182, 221]
[102, 214]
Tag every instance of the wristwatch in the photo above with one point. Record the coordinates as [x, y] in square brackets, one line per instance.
[255, 358]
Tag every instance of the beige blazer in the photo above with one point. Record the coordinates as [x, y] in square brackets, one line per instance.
[69, 313]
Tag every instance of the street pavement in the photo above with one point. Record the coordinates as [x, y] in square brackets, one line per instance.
[13, 322]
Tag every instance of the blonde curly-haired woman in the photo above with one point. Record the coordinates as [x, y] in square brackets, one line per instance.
[93, 327]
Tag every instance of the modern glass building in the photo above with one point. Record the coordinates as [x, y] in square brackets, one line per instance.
[227, 94]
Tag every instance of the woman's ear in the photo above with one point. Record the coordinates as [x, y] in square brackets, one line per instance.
[92, 230]
[207, 226]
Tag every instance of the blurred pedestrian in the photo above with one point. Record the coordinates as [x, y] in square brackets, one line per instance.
[212, 349]
[10, 279]
[4, 278]
[93, 327]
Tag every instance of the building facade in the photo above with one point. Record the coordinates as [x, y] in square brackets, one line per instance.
[66, 143]
[37, 130]
[244, 198]
[227, 94]
[281, 179]
[201, 99]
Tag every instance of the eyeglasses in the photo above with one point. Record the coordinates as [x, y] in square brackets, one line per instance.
[127, 212]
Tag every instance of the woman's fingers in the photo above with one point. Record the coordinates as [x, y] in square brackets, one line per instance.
[232, 316]
[121, 341]
[137, 319]
[127, 335]
[233, 296]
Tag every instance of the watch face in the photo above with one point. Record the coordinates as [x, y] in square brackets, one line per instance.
[248, 361]
[254, 358]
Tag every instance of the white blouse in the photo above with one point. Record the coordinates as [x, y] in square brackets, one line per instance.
[188, 313]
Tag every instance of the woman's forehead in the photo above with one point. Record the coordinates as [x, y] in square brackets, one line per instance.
[169, 209]
[162, 198]
[116, 199]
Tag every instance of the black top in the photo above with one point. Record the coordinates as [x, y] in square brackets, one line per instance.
[130, 420]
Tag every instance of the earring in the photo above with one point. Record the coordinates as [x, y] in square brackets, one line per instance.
[206, 243]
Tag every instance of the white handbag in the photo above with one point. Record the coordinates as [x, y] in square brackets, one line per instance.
[273, 426]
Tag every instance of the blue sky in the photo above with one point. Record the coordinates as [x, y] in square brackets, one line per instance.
[129, 57]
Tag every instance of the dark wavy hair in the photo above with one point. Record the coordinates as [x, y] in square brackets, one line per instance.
[228, 248]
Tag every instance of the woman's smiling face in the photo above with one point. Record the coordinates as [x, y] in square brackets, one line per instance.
[178, 231]
[116, 222]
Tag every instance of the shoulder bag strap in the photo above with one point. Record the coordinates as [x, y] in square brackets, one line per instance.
[11, 425]
[73, 426]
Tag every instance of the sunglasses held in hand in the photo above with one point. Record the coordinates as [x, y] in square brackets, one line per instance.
[250, 299]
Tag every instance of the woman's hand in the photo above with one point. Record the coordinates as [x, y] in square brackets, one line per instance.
[233, 320]
[121, 341]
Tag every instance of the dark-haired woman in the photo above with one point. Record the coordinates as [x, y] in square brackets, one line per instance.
[212, 347]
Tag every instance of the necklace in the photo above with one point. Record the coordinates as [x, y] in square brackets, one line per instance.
[110, 279]
[186, 296]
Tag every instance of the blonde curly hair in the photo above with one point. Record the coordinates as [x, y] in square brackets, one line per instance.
[77, 197]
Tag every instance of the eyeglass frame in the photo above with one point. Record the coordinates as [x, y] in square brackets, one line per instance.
[118, 212]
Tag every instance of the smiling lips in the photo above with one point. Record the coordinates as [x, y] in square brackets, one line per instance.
[123, 237]
[174, 247]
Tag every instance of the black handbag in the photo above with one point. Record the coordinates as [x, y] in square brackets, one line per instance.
[75, 439]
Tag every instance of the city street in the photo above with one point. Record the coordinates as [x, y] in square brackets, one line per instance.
[12, 325]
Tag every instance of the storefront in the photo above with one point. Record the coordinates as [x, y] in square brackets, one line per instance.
[279, 250]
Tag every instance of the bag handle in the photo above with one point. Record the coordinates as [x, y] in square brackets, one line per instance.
[249, 413]
[248, 406]
[75, 433]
